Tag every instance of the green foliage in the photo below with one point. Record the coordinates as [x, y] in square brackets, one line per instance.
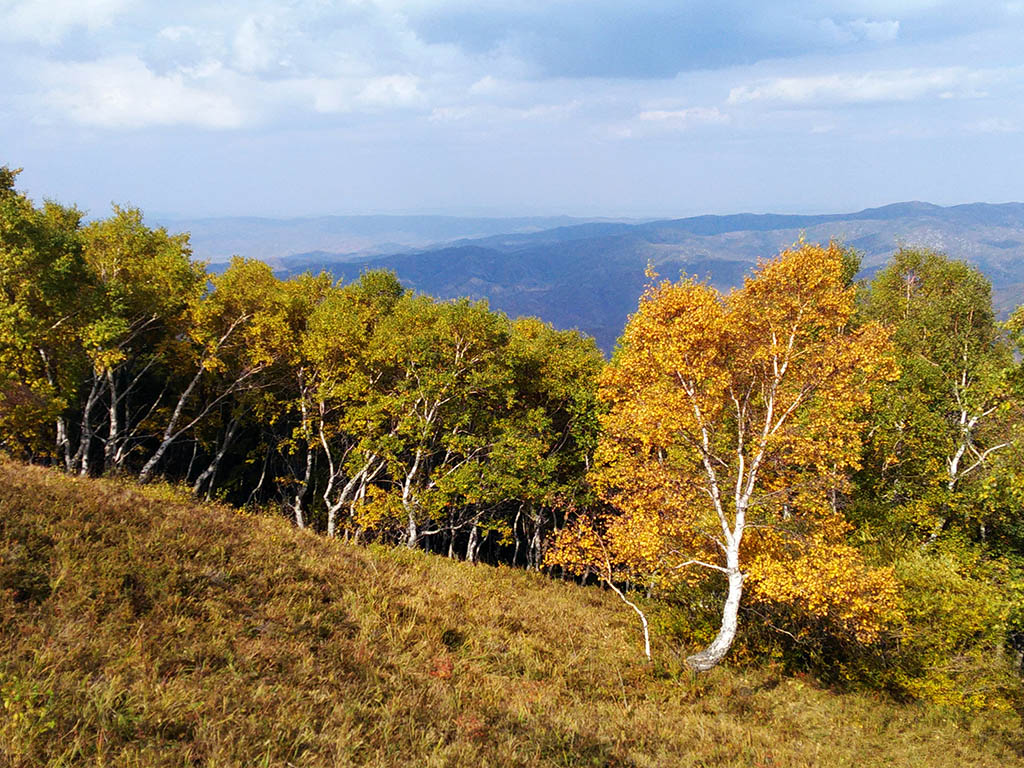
[937, 431]
[954, 650]
[45, 308]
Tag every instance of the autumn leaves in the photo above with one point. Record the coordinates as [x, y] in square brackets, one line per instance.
[732, 421]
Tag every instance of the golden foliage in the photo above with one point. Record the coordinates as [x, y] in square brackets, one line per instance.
[725, 412]
[830, 581]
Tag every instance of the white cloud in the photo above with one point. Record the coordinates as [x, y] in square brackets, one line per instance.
[685, 117]
[122, 92]
[47, 21]
[995, 125]
[846, 32]
[876, 31]
[255, 45]
[391, 91]
[485, 86]
[495, 115]
[861, 88]
[666, 122]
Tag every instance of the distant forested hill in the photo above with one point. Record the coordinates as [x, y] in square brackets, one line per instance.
[341, 237]
[589, 275]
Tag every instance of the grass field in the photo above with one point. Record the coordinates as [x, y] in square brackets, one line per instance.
[140, 629]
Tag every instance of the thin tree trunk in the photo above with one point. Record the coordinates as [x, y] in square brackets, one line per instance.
[81, 460]
[169, 434]
[409, 503]
[348, 493]
[640, 613]
[715, 652]
[299, 502]
[64, 444]
[110, 451]
[536, 542]
[209, 474]
[263, 476]
[472, 545]
[515, 535]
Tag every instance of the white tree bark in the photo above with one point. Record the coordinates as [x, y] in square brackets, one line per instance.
[715, 652]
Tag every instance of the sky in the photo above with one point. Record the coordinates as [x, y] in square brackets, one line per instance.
[512, 107]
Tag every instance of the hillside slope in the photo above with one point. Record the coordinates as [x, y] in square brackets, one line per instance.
[137, 629]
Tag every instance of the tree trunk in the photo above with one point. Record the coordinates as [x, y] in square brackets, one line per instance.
[412, 535]
[110, 451]
[409, 502]
[210, 473]
[63, 438]
[515, 535]
[534, 558]
[81, 460]
[64, 443]
[170, 435]
[299, 502]
[473, 545]
[714, 653]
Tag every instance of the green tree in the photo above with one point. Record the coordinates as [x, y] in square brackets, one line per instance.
[46, 292]
[146, 282]
[549, 440]
[444, 382]
[938, 430]
[342, 418]
[235, 333]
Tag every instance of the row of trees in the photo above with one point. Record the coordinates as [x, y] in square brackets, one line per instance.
[361, 409]
[839, 460]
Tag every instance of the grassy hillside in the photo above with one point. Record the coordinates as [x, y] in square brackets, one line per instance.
[138, 629]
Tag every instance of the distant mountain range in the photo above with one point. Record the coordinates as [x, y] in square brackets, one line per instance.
[588, 273]
[343, 238]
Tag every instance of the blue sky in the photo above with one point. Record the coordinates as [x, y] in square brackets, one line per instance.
[512, 106]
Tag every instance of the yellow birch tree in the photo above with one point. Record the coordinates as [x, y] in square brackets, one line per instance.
[731, 423]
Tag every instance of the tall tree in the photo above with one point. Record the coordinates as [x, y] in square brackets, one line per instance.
[46, 303]
[235, 333]
[341, 415]
[730, 421]
[551, 433]
[940, 427]
[443, 383]
[146, 282]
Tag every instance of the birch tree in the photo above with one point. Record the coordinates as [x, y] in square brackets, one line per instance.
[730, 419]
[46, 302]
[445, 382]
[939, 428]
[146, 282]
[342, 419]
[235, 333]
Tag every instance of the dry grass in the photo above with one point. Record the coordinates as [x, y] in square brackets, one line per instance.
[139, 629]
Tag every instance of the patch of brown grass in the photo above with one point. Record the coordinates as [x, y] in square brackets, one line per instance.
[140, 629]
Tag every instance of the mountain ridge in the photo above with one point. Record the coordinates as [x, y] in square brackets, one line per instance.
[588, 275]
